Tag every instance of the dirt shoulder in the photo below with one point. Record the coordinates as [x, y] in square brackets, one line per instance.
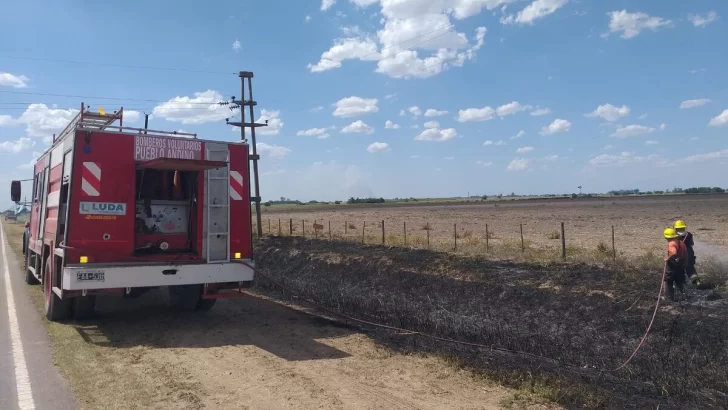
[250, 353]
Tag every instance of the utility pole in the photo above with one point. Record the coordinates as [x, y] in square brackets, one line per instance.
[254, 157]
[146, 122]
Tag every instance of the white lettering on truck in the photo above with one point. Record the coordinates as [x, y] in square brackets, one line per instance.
[148, 148]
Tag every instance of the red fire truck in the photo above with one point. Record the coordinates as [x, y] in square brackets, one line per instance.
[123, 210]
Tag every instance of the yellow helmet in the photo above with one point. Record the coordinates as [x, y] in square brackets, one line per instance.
[670, 233]
[680, 224]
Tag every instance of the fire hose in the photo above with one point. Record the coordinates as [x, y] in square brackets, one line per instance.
[460, 342]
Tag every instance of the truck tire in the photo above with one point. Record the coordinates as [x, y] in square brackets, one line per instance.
[55, 308]
[205, 304]
[82, 307]
[184, 298]
[30, 279]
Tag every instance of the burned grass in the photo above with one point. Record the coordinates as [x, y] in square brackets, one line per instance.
[553, 329]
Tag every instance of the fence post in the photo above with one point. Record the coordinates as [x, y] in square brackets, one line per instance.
[268, 226]
[523, 248]
[455, 233]
[290, 227]
[487, 238]
[315, 231]
[363, 228]
[563, 242]
[329, 229]
[428, 235]
[303, 227]
[279, 226]
[614, 248]
[383, 241]
[405, 233]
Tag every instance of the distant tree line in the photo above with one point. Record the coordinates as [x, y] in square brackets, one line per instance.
[694, 190]
[353, 200]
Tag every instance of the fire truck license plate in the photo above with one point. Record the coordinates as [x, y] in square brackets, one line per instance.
[90, 276]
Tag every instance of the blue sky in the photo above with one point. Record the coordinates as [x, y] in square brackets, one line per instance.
[526, 96]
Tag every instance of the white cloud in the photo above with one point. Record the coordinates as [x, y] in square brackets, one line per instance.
[273, 151]
[694, 103]
[17, 146]
[431, 112]
[131, 116]
[524, 150]
[14, 81]
[558, 125]
[390, 125]
[704, 157]
[608, 147]
[484, 163]
[510, 108]
[317, 108]
[540, 111]
[6, 120]
[651, 142]
[520, 134]
[625, 158]
[432, 124]
[414, 156]
[631, 24]
[496, 143]
[436, 134]
[236, 45]
[351, 48]
[518, 164]
[534, 11]
[402, 113]
[357, 126]
[663, 126]
[41, 121]
[351, 31]
[274, 122]
[632, 131]
[551, 158]
[449, 158]
[700, 21]
[695, 139]
[609, 112]
[720, 120]
[326, 4]
[355, 106]
[476, 114]
[320, 133]
[199, 109]
[390, 96]
[415, 111]
[307, 18]
[696, 71]
[377, 147]
[643, 116]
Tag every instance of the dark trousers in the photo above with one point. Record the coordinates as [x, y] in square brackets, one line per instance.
[677, 278]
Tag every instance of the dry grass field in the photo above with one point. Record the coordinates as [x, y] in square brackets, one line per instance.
[638, 223]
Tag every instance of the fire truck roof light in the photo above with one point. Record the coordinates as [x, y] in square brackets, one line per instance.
[83, 259]
[238, 255]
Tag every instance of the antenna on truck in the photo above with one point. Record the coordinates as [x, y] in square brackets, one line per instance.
[254, 157]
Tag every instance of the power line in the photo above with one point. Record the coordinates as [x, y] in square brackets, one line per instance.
[109, 98]
[116, 65]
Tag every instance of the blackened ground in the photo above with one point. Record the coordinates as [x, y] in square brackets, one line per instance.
[571, 324]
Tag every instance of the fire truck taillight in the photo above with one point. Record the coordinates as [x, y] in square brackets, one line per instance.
[83, 259]
[238, 255]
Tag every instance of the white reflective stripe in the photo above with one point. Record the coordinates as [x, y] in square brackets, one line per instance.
[237, 177]
[234, 193]
[88, 189]
[22, 378]
[95, 170]
[54, 199]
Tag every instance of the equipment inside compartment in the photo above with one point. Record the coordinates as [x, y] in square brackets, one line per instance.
[165, 211]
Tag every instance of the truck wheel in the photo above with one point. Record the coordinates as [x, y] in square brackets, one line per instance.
[184, 298]
[205, 304]
[30, 279]
[82, 307]
[55, 308]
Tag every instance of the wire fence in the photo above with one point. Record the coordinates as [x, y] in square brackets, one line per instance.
[455, 237]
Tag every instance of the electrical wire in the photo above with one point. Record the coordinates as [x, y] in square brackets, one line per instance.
[108, 98]
[89, 63]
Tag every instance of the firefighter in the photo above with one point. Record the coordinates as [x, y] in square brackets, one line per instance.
[675, 263]
[687, 238]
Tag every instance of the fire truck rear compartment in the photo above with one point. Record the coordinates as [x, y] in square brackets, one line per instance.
[166, 212]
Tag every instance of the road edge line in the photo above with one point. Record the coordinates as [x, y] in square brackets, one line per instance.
[22, 379]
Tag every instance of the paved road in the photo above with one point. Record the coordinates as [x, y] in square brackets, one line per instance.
[28, 377]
